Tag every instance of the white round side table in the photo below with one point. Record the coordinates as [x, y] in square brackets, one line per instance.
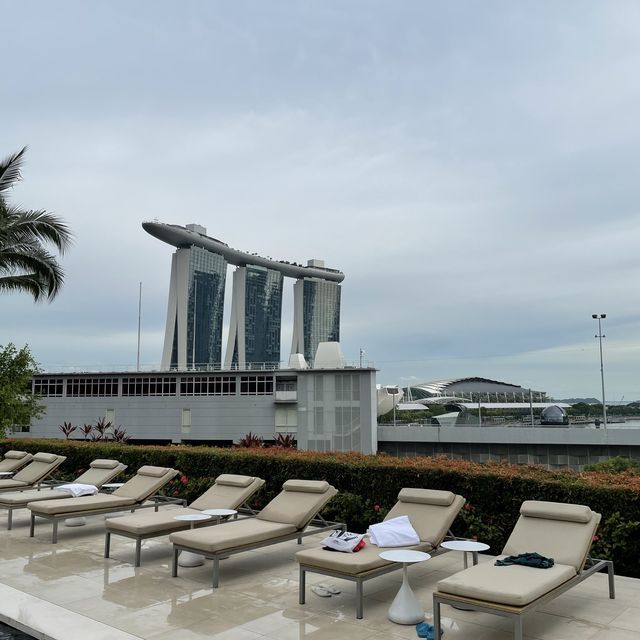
[111, 486]
[405, 608]
[218, 514]
[466, 546]
[188, 558]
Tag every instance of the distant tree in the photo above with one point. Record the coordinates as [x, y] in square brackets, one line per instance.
[26, 264]
[17, 404]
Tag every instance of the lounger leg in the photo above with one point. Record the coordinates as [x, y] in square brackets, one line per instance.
[138, 546]
[518, 633]
[9, 519]
[33, 526]
[301, 585]
[436, 620]
[216, 571]
[174, 565]
[107, 543]
[359, 605]
[612, 586]
[54, 535]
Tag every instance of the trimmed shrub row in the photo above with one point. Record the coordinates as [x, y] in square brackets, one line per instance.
[369, 486]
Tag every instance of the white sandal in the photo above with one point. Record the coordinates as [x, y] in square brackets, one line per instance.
[320, 590]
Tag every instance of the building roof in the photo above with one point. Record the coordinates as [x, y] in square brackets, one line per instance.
[182, 237]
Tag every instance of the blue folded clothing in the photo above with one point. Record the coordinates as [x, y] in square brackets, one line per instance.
[532, 559]
[426, 630]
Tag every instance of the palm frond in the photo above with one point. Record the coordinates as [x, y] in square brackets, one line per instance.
[37, 225]
[24, 284]
[10, 169]
[33, 264]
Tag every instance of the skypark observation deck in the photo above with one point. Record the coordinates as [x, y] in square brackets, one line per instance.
[181, 237]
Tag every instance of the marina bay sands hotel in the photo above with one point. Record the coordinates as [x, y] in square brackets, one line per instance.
[193, 334]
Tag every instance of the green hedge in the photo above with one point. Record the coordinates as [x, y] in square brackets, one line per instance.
[369, 486]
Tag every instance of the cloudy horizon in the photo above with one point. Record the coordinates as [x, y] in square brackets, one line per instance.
[469, 167]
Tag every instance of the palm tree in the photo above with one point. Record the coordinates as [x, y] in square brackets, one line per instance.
[26, 264]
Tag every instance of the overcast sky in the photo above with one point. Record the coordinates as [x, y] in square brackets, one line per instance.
[472, 167]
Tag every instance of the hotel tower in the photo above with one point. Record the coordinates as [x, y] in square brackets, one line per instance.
[193, 334]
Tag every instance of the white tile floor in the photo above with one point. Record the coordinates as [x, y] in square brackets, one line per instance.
[69, 591]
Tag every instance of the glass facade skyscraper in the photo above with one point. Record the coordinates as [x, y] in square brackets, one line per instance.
[320, 314]
[258, 291]
[202, 308]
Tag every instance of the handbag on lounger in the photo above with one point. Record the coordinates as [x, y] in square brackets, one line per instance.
[344, 541]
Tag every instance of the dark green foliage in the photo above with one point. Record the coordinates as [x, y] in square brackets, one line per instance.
[17, 404]
[369, 486]
[615, 465]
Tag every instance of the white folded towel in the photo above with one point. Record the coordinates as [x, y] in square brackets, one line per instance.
[78, 489]
[396, 532]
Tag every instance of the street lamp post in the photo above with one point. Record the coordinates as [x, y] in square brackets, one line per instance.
[599, 317]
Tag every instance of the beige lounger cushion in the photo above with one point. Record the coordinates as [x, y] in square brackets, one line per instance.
[566, 541]
[83, 503]
[513, 585]
[145, 483]
[96, 475]
[101, 472]
[556, 511]
[430, 512]
[230, 535]
[352, 564]
[45, 457]
[16, 455]
[39, 468]
[306, 486]
[427, 496]
[298, 503]
[22, 498]
[147, 522]
[104, 464]
[154, 472]
[12, 483]
[234, 480]
[14, 460]
[225, 495]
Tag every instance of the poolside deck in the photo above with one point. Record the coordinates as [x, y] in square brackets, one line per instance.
[69, 591]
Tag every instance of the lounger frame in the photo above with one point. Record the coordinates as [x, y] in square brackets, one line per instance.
[359, 578]
[245, 510]
[45, 484]
[152, 501]
[517, 613]
[317, 525]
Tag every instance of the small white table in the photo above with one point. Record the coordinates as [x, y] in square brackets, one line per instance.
[111, 486]
[405, 608]
[218, 514]
[466, 546]
[187, 558]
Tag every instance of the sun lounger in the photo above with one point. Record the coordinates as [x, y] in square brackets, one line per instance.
[31, 476]
[14, 460]
[286, 517]
[563, 532]
[229, 492]
[132, 495]
[431, 514]
[98, 473]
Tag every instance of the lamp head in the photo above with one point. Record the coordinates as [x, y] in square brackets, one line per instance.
[594, 315]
